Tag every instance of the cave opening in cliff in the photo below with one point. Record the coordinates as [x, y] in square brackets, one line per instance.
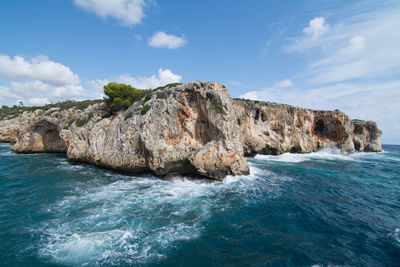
[51, 139]
[319, 127]
[257, 116]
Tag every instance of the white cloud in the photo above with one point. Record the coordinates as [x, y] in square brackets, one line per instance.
[37, 89]
[356, 44]
[316, 27]
[38, 80]
[36, 101]
[97, 91]
[252, 95]
[163, 40]
[127, 12]
[39, 68]
[165, 76]
[284, 84]
[5, 93]
[363, 46]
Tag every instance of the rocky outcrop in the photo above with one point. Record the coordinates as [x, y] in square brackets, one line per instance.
[366, 136]
[271, 128]
[193, 128]
[9, 130]
[190, 129]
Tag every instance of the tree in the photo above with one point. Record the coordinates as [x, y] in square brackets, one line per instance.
[121, 96]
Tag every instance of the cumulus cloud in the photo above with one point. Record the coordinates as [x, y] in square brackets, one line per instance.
[252, 95]
[38, 89]
[97, 91]
[39, 68]
[165, 76]
[37, 101]
[284, 84]
[127, 12]
[163, 40]
[316, 27]
[38, 80]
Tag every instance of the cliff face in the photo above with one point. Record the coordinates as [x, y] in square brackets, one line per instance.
[271, 128]
[9, 130]
[193, 128]
[190, 129]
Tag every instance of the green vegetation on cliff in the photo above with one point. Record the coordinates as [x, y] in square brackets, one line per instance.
[120, 96]
[7, 113]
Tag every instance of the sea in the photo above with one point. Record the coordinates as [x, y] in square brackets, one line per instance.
[318, 209]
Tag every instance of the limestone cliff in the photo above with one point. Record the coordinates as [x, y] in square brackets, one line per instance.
[193, 128]
[190, 129]
[271, 128]
[9, 130]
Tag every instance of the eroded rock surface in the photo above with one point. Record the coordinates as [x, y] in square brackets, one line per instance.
[9, 130]
[271, 128]
[193, 128]
[189, 129]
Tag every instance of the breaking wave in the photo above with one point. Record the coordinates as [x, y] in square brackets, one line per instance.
[138, 220]
[327, 154]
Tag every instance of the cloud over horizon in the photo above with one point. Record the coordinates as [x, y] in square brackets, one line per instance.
[165, 76]
[39, 81]
[39, 68]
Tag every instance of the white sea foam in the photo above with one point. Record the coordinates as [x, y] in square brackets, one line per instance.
[323, 154]
[138, 220]
[7, 153]
[395, 236]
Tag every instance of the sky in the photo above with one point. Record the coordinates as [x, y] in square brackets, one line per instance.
[314, 54]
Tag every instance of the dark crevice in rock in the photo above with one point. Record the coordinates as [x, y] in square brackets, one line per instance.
[52, 142]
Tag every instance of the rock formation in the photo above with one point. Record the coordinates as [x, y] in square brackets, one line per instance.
[9, 130]
[271, 128]
[193, 128]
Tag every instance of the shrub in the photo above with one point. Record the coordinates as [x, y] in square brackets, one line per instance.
[82, 122]
[147, 98]
[215, 107]
[71, 121]
[82, 105]
[145, 109]
[167, 86]
[128, 116]
[161, 96]
[120, 96]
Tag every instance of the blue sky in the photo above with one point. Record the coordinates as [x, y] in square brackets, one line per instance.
[315, 54]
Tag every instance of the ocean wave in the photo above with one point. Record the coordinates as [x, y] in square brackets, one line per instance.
[395, 236]
[328, 154]
[5, 145]
[139, 220]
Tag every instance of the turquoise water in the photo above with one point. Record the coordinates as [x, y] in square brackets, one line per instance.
[319, 209]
